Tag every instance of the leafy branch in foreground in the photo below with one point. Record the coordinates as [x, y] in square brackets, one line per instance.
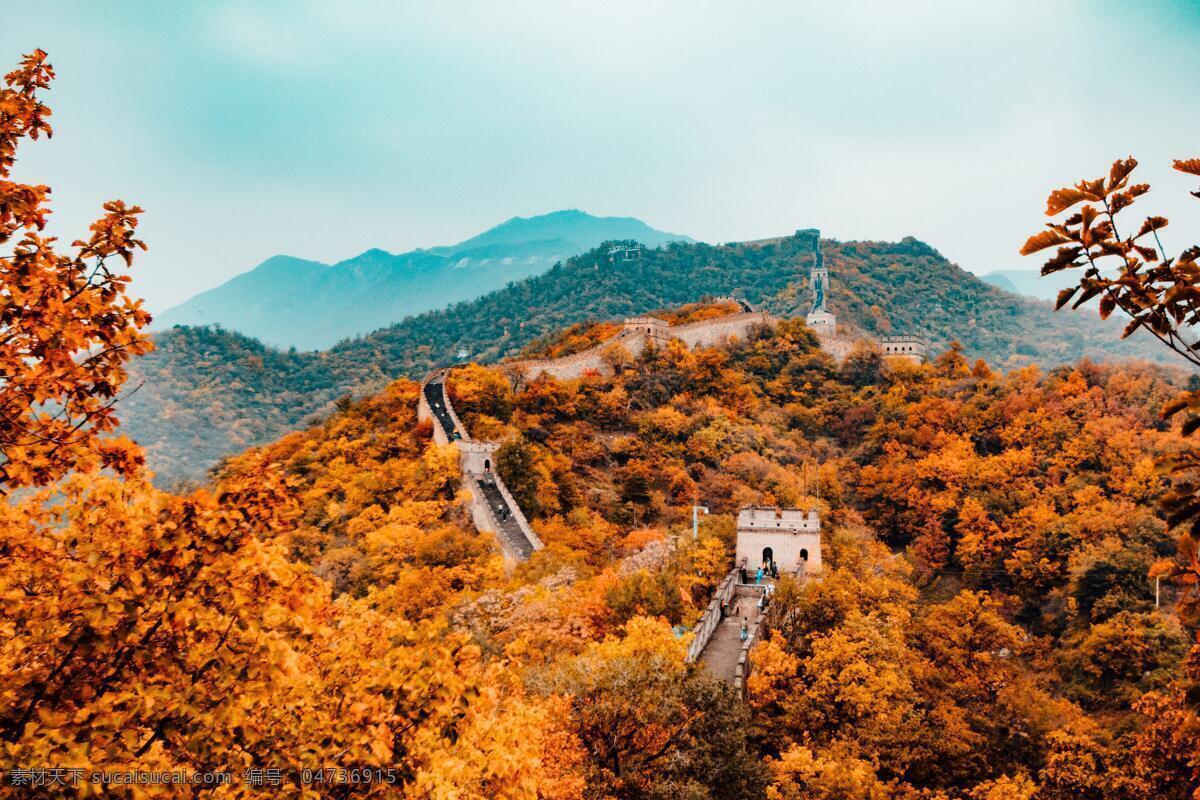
[67, 326]
[1161, 294]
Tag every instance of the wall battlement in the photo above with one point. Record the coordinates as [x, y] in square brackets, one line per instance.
[789, 538]
[781, 519]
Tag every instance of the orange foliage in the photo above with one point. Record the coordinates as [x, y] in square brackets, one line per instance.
[69, 328]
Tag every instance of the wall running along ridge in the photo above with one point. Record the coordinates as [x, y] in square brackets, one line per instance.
[638, 333]
[493, 508]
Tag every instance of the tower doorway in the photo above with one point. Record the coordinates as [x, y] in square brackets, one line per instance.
[804, 554]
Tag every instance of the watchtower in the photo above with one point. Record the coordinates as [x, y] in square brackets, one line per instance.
[820, 318]
[788, 538]
[652, 327]
[908, 348]
[620, 254]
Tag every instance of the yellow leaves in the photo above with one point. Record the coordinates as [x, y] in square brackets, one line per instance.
[1014, 787]
[478, 390]
[393, 535]
[635, 540]
[69, 328]
[773, 678]
[665, 423]
[644, 638]
[800, 774]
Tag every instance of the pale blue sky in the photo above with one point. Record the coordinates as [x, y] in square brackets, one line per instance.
[323, 129]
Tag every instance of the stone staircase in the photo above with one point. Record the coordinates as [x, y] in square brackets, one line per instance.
[726, 655]
[435, 399]
[493, 508]
[718, 643]
[514, 537]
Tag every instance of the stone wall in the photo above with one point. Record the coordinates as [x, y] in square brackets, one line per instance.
[424, 412]
[711, 332]
[711, 617]
[741, 674]
[476, 459]
[637, 333]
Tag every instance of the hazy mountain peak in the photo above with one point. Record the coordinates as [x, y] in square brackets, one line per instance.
[571, 225]
[287, 301]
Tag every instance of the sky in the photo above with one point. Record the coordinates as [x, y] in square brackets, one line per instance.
[321, 130]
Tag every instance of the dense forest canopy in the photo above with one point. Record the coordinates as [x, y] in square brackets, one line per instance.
[1013, 650]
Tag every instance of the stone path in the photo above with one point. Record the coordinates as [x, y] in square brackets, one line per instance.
[506, 521]
[720, 656]
[435, 395]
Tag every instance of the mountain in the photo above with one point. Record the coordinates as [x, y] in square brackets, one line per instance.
[206, 392]
[571, 226]
[1030, 282]
[291, 302]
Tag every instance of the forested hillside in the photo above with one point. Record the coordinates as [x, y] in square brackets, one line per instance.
[207, 393]
[328, 614]
[1012, 651]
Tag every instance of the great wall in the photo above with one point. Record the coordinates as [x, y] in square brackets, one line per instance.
[739, 612]
[493, 508]
[639, 332]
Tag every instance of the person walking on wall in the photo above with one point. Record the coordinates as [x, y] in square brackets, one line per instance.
[745, 631]
[758, 578]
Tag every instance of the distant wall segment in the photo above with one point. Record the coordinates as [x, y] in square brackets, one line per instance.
[637, 333]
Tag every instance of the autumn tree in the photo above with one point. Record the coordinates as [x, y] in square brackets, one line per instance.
[150, 631]
[67, 325]
[654, 726]
[1126, 267]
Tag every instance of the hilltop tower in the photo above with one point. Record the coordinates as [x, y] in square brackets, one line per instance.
[789, 538]
[820, 318]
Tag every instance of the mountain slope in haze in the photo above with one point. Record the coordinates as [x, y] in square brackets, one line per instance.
[290, 302]
[207, 393]
[1029, 282]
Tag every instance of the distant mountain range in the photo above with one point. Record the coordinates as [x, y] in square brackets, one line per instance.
[1030, 282]
[291, 302]
[206, 393]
